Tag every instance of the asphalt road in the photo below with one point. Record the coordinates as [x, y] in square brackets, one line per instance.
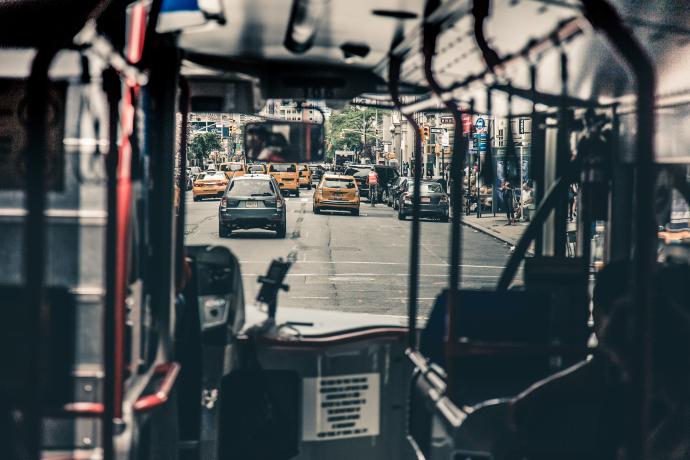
[349, 263]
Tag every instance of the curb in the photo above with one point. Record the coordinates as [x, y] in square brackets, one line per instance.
[498, 236]
[491, 233]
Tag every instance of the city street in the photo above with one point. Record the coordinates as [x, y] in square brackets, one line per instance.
[349, 263]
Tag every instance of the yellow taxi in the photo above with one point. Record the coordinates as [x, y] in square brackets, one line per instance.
[336, 192]
[305, 175]
[256, 168]
[287, 176]
[232, 169]
[210, 184]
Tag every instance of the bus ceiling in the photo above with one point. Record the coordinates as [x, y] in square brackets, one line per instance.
[597, 73]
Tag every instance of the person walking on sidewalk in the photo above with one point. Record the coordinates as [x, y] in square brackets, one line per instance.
[508, 199]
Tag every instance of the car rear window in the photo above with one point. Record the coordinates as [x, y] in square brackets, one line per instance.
[283, 168]
[256, 168]
[250, 187]
[214, 176]
[427, 187]
[231, 167]
[337, 183]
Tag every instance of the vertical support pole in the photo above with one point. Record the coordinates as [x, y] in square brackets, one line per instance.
[182, 180]
[537, 158]
[604, 16]
[34, 248]
[161, 143]
[489, 140]
[111, 86]
[395, 63]
[562, 158]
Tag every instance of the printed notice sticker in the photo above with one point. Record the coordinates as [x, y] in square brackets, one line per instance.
[343, 406]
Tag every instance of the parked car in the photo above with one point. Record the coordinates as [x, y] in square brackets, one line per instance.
[252, 201]
[433, 201]
[336, 192]
[209, 184]
[394, 191]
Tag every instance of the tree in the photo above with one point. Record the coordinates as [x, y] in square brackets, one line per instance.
[348, 130]
[202, 145]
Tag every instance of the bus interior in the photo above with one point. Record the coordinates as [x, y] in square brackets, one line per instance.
[119, 341]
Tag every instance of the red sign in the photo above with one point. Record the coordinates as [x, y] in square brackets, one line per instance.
[466, 123]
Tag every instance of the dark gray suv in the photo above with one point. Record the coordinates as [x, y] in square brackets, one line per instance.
[433, 200]
[252, 201]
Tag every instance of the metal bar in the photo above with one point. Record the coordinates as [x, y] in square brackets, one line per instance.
[170, 371]
[34, 244]
[552, 199]
[395, 62]
[565, 31]
[160, 143]
[562, 154]
[603, 15]
[111, 86]
[537, 158]
[182, 181]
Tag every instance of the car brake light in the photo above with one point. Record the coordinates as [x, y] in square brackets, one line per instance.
[444, 199]
[406, 197]
[279, 203]
[224, 202]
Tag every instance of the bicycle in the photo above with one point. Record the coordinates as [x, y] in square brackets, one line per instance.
[372, 194]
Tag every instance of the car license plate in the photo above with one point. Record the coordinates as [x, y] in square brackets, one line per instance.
[426, 199]
[337, 196]
[251, 204]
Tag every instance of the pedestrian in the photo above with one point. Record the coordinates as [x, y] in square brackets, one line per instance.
[508, 198]
[444, 183]
[572, 193]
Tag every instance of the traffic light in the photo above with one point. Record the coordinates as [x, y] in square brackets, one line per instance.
[425, 133]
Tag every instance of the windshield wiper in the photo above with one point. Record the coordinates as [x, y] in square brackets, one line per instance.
[261, 194]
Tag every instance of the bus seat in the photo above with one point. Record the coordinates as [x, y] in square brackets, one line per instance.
[499, 343]
[58, 343]
[574, 414]
[210, 310]
[16, 368]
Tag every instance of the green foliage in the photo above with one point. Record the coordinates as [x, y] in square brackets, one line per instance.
[346, 130]
[202, 145]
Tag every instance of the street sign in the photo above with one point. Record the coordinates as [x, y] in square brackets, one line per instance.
[438, 130]
[479, 124]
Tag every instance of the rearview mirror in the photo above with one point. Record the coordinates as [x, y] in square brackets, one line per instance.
[284, 142]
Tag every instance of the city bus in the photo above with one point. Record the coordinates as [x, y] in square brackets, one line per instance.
[131, 331]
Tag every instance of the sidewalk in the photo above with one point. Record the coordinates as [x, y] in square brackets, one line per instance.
[496, 227]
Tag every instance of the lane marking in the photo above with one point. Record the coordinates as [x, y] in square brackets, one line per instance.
[319, 298]
[359, 275]
[498, 267]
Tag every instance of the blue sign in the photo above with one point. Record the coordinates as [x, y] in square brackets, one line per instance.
[479, 124]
